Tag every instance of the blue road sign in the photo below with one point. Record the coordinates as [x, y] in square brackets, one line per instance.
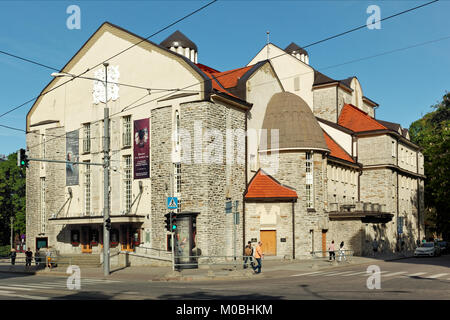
[172, 203]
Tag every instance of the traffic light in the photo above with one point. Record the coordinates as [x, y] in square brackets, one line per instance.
[167, 221]
[22, 158]
[174, 222]
[108, 224]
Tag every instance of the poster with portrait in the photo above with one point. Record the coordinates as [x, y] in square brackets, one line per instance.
[72, 154]
[141, 149]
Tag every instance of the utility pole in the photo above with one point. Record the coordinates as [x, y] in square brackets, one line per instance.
[106, 262]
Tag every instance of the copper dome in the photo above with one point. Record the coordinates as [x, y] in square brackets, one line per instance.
[298, 128]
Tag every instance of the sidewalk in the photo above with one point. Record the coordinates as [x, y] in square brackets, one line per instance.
[271, 269]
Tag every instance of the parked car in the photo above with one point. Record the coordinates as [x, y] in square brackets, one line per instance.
[430, 249]
[444, 247]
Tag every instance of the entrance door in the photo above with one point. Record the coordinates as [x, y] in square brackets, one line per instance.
[324, 242]
[86, 240]
[269, 240]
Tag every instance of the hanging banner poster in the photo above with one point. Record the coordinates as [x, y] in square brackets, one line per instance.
[72, 154]
[141, 149]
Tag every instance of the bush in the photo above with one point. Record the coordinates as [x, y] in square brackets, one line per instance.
[5, 250]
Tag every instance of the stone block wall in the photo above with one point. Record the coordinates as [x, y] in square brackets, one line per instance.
[325, 103]
[349, 231]
[292, 172]
[375, 150]
[275, 216]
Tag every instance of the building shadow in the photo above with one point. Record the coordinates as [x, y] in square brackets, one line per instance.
[201, 295]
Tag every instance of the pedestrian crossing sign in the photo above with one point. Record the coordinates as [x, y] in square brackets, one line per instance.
[172, 203]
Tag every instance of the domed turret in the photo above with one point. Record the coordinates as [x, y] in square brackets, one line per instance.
[179, 43]
[298, 52]
[298, 128]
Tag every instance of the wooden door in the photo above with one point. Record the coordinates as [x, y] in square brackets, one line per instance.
[324, 242]
[85, 240]
[269, 240]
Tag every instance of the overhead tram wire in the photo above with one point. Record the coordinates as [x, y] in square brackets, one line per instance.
[309, 45]
[321, 41]
[114, 56]
[300, 74]
[227, 73]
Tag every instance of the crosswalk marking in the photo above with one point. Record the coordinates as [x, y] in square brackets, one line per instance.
[337, 273]
[305, 274]
[437, 276]
[355, 273]
[23, 296]
[16, 288]
[31, 286]
[394, 273]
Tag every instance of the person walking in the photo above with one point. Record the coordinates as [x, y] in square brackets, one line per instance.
[331, 251]
[28, 257]
[248, 254]
[13, 256]
[258, 256]
[37, 258]
[342, 252]
[48, 257]
[375, 246]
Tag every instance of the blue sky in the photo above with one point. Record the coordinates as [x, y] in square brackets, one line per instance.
[229, 33]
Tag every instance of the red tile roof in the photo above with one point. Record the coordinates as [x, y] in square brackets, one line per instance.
[357, 120]
[229, 78]
[336, 150]
[206, 68]
[224, 80]
[263, 185]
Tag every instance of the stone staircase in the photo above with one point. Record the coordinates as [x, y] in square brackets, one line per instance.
[82, 260]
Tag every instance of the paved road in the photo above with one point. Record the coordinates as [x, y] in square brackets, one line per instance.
[414, 278]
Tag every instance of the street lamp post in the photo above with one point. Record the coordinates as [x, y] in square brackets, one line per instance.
[106, 185]
[106, 253]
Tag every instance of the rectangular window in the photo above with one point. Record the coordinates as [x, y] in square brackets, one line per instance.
[177, 184]
[126, 134]
[297, 83]
[87, 189]
[393, 149]
[309, 180]
[86, 138]
[43, 212]
[177, 131]
[127, 183]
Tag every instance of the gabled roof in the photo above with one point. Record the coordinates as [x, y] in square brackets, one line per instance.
[320, 78]
[336, 150]
[264, 186]
[357, 120]
[206, 68]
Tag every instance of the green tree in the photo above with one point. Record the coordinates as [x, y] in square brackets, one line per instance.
[12, 198]
[432, 134]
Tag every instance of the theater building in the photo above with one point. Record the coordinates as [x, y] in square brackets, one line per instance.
[302, 155]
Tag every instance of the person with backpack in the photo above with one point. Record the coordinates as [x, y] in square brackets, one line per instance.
[248, 254]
